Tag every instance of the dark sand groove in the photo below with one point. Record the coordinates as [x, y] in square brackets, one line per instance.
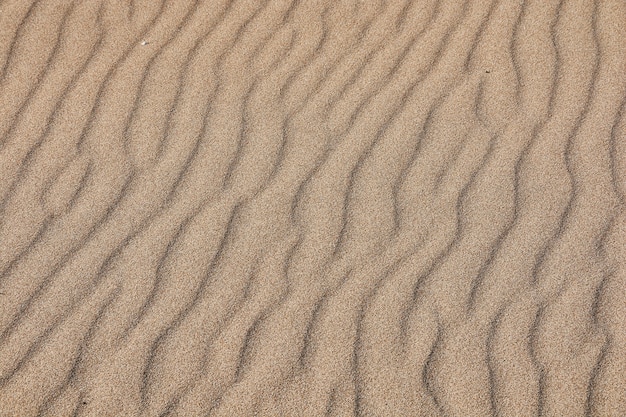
[312, 208]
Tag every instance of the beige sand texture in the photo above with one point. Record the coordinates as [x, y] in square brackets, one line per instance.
[312, 208]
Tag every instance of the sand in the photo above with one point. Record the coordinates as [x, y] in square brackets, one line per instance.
[312, 208]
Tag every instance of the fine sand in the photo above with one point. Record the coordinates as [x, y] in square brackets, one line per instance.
[313, 208]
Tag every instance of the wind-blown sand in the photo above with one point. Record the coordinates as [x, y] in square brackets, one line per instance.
[312, 208]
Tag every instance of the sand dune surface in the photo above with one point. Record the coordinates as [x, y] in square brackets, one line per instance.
[312, 208]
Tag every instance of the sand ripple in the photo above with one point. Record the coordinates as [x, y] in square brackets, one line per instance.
[312, 208]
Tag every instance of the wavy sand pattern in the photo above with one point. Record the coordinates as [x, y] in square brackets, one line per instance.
[312, 208]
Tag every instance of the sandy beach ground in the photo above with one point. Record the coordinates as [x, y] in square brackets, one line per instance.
[313, 208]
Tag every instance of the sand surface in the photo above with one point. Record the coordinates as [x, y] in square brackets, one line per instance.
[312, 208]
